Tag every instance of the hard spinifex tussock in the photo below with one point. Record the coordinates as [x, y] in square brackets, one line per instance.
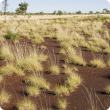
[5, 53]
[74, 59]
[69, 85]
[26, 104]
[37, 81]
[4, 97]
[97, 63]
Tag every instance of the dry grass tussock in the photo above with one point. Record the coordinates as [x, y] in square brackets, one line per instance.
[9, 69]
[4, 97]
[97, 63]
[69, 85]
[5, 53]
[37, 81]
[26, 104]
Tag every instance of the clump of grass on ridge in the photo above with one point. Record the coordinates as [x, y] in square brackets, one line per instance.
[107, 89]
[94, 49]
[108, 62]
[73, 81]
[68, 70]
[97, 63]
[77, 60]
[29, 64]
[37, 81]
[5, 53]
[54, 69]
[61, 90]
[1, 78]
[4, 97]
[106, 51]
[70, 50]
[33, 90]
[43, 47]
[26, 104]
[68, 86]
[62, 51]
[36, 41]
[9, 69]
[83, 44]
[62, 104]
[38, 56]
[64, 44]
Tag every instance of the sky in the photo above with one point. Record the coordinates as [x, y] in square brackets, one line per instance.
[48, 6]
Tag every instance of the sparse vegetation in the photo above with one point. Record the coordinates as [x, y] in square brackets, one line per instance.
[25, 58]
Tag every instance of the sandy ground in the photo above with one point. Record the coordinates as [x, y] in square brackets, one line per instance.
[8, 17]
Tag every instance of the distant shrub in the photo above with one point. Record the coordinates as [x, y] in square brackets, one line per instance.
[11, 35]
[29, 16]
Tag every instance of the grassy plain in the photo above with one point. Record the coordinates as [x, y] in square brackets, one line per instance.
[53, 62]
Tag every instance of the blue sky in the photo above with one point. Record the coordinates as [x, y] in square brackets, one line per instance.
[48, 6]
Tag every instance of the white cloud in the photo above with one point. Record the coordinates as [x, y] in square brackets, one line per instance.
[1, 1]
[108, 1]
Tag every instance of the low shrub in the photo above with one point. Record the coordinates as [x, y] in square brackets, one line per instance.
[11, 35]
